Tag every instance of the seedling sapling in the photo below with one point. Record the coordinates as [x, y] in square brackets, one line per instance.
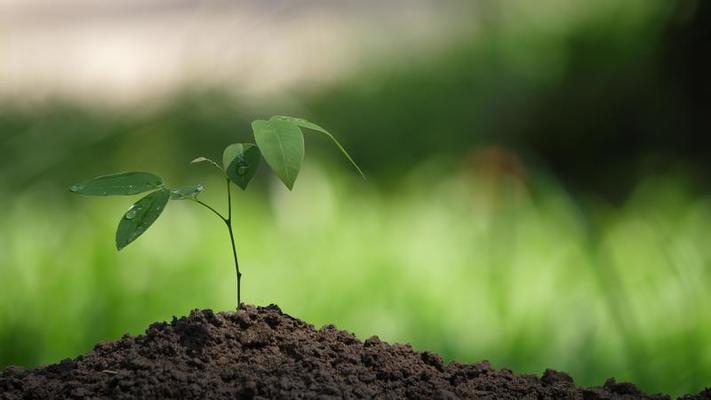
[279, 141]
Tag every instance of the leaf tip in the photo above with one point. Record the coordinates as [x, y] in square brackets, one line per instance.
[120, 244]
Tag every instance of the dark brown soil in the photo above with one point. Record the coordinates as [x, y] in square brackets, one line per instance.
[263, 353]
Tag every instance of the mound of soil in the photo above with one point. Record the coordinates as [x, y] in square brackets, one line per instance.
[258, 353]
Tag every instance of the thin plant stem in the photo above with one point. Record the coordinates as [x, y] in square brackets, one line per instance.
[228, 222]
[211, 209]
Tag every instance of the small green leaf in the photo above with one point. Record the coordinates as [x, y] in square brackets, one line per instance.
[310, 125]
[140, 216]
[205, 159]
[241, 161]
[282, 145]
[185, 192]
[125, 183]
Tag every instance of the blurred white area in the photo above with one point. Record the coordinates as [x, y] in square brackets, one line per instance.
[134, 50]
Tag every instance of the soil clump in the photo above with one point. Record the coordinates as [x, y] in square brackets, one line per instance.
[262, 353]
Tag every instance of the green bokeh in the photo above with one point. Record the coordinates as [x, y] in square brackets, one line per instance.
[472, 267]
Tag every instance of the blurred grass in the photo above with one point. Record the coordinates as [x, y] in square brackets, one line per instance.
[470, 264]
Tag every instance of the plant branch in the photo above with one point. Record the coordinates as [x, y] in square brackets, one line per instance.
[228, 221]
[211, 209]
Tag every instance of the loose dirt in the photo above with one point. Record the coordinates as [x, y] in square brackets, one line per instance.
[262, 353]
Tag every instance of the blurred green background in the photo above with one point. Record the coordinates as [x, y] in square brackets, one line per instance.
[538, 189]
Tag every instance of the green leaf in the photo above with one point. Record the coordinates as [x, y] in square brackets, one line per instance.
[205, 159]
[185, 192]
[282, 145]
[140, 216]
[310, 125]
[125, 183]
[241, 161]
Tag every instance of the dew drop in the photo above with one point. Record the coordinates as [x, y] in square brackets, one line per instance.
[132, 212]
[242, 167]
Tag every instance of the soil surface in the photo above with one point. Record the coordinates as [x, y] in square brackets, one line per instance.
[262, 353]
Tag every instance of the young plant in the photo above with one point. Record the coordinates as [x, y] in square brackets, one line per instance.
[279, 141]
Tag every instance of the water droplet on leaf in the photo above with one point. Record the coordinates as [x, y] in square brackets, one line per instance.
[242, 167]
[131, 213]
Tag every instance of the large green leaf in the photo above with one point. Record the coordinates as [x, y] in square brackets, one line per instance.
[185, 192]
[282, 145]
[241, 161]
[310, 125]
[125, 183]
[140, 216]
